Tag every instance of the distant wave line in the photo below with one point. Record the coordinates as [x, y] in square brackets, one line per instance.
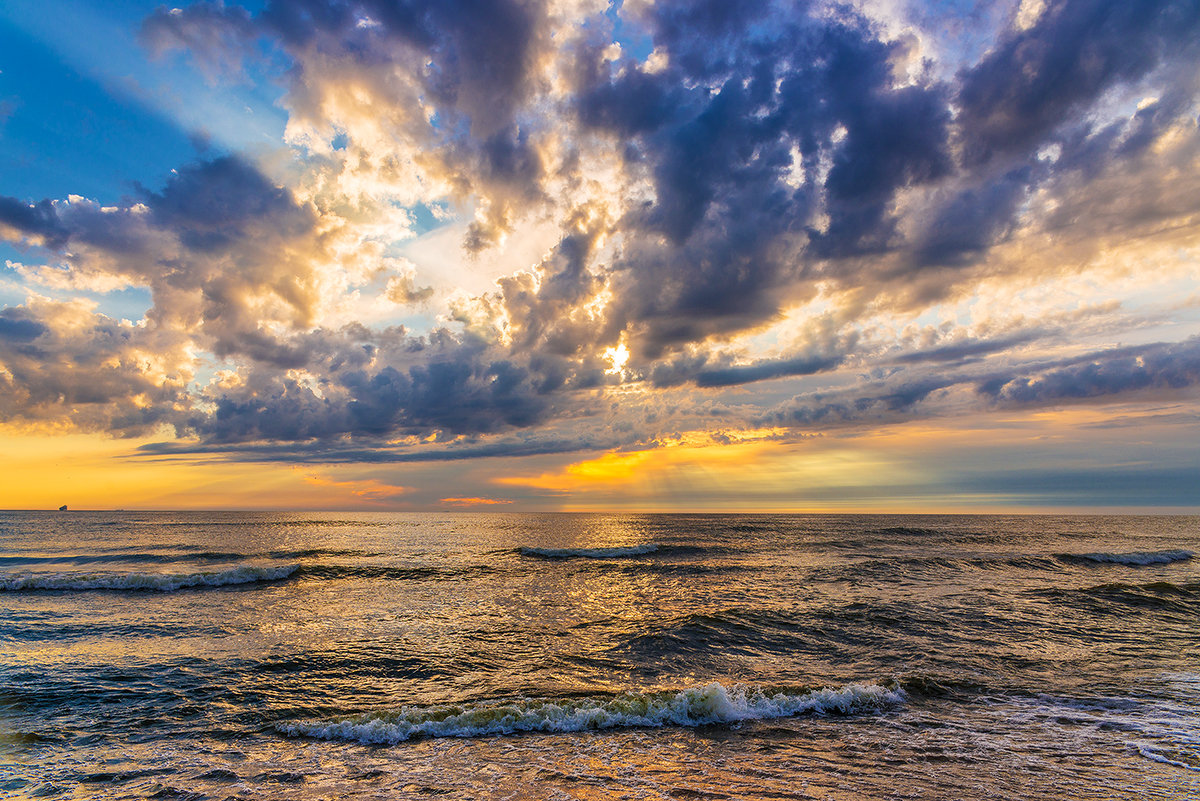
[159, 582]
[174, 558]
[1135, 559]
[608, 552]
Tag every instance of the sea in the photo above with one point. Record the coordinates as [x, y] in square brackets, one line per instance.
[575, 656]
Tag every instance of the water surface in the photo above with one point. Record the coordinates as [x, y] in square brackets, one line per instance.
[303, 656]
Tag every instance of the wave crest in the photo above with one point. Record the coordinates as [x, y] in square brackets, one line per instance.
[612, 552]
[1136, 559]
[695, 706]
[160, 582]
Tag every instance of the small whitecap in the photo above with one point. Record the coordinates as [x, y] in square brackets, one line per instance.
[1137, 558]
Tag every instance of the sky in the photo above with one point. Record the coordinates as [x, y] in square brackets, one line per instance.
[522, 255]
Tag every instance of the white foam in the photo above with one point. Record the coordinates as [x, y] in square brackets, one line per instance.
[1138, 558]
[612, 552]
[162, 582]
[696, 706]
[1150, 753]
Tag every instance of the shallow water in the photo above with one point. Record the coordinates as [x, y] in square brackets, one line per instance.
[156, 655]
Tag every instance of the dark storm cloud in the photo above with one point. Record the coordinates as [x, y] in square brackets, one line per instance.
[208, 205]
[907, 394]
[764, 369]
[970, 349]
[733, 133]
[376, 386]
[706, 372]
[378, 452]
[894, 400]
[17, 325]
[212, 205]
[1036, 79]
[895, 138]
[972, 220]
[478, 51]
[1162, 366]
[459, 395]
[37, 220]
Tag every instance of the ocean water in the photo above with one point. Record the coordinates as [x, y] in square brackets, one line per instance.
[306, 656]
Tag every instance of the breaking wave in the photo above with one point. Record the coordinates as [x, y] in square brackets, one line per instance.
[1136, 559]
[613, 552]
[160, 582]
[695, 706]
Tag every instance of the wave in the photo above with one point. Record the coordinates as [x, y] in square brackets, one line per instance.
[877, 568]
[255, 522]
[1108, 598]
[174, 558]
[695, 706]
[1136, 559]
[160, 582]
[1157, 755]
[127, 557]
[612, 552]
[906, 531]
[311, 553]
[395, 573]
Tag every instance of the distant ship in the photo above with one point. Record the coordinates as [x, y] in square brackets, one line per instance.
[62, 508]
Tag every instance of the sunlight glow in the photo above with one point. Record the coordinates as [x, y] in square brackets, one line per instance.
[617, 358]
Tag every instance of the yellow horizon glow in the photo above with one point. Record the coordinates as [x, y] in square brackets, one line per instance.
[700, 469]
[475, 501]
[899, 468]
[45, 470]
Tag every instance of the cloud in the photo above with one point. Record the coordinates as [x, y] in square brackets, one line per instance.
[1161, 366]
[215, 35]
[213, 206]
[972, 220]
[765, 369]
[63, 364]
[36, 222]
[1042, 76]
[478, 53]
[16, 326]
[775, 198]
[370, 490]
[769, 149]
[1159, 369]
[224, 251]
[381, 452]
[970, 349]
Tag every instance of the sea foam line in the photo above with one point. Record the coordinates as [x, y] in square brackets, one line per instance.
[1135, 559]
[611, 552]
[695, 706]
[161, 582]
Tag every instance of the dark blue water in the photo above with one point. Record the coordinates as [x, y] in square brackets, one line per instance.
[169, 655]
